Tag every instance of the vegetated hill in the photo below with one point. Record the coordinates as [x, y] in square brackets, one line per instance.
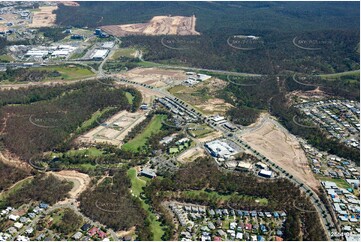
[43, 188]
[112, 204]
[214, 16]
[331, 28]
[46, 125]
[10, 175]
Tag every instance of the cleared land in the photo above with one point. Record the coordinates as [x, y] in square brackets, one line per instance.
[153, 127]
[123, 52]
[44, 18]
[282, 148]
[158, 25]
[191, 154]
[155, 76]
[202, 96]
[113, 130]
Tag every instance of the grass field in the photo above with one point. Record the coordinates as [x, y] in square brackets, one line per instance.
[339, 182]
[86, 124]
[139, 141]
[6, 58]
[199, 131]
[137, 188]
[221, 198]
[69, 72]
[123, 52]
[130, 97]
[92, 152]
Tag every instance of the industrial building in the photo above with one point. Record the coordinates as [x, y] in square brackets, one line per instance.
[219, 149]
[244, 166]
[99, 54]
[265, 173]
[148, 173]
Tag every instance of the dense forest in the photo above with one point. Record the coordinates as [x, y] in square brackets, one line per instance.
[43, 188]
[112, 204]
[331, 29]
[10, 175]
[46, 125]
[26, 75]
[216, 16]
[337, 51]
[204, 174]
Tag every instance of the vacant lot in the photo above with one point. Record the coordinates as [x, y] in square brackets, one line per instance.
[114, 129]
[155, 76]
[191, 155]
[158, 25]
[123, 52]
[68, 72]
[44, 18]
[282, 148]
[202, 96]
[153, 127]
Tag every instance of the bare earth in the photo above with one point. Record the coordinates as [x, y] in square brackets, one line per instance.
[124, 121]
[69, 3]
[210, 136]
[283, 149]
[158, 25]
[80, 180]
[155, 76]
[44, 18]
[191, 154]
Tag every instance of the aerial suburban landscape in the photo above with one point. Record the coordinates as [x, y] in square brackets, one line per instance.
[179, 121]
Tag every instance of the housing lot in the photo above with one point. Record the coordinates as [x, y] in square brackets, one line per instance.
[339, 118]
[114, 129]
[204, 223]
[346, 206]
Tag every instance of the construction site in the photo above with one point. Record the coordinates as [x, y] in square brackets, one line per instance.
[158, 25]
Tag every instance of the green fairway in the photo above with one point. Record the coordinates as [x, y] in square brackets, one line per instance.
[137, 188]
[130, 97]
[139, 141]
[67, 72]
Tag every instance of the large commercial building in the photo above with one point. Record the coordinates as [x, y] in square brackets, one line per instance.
[100, 54]
[219, 149]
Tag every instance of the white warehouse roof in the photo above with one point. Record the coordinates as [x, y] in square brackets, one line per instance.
[100, 54]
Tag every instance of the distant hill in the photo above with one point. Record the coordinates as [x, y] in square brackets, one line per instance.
[216, 16]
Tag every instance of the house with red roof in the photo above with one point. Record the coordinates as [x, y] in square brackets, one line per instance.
[248, 227]
[101, 234]
[217, 238]
[93, 231]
